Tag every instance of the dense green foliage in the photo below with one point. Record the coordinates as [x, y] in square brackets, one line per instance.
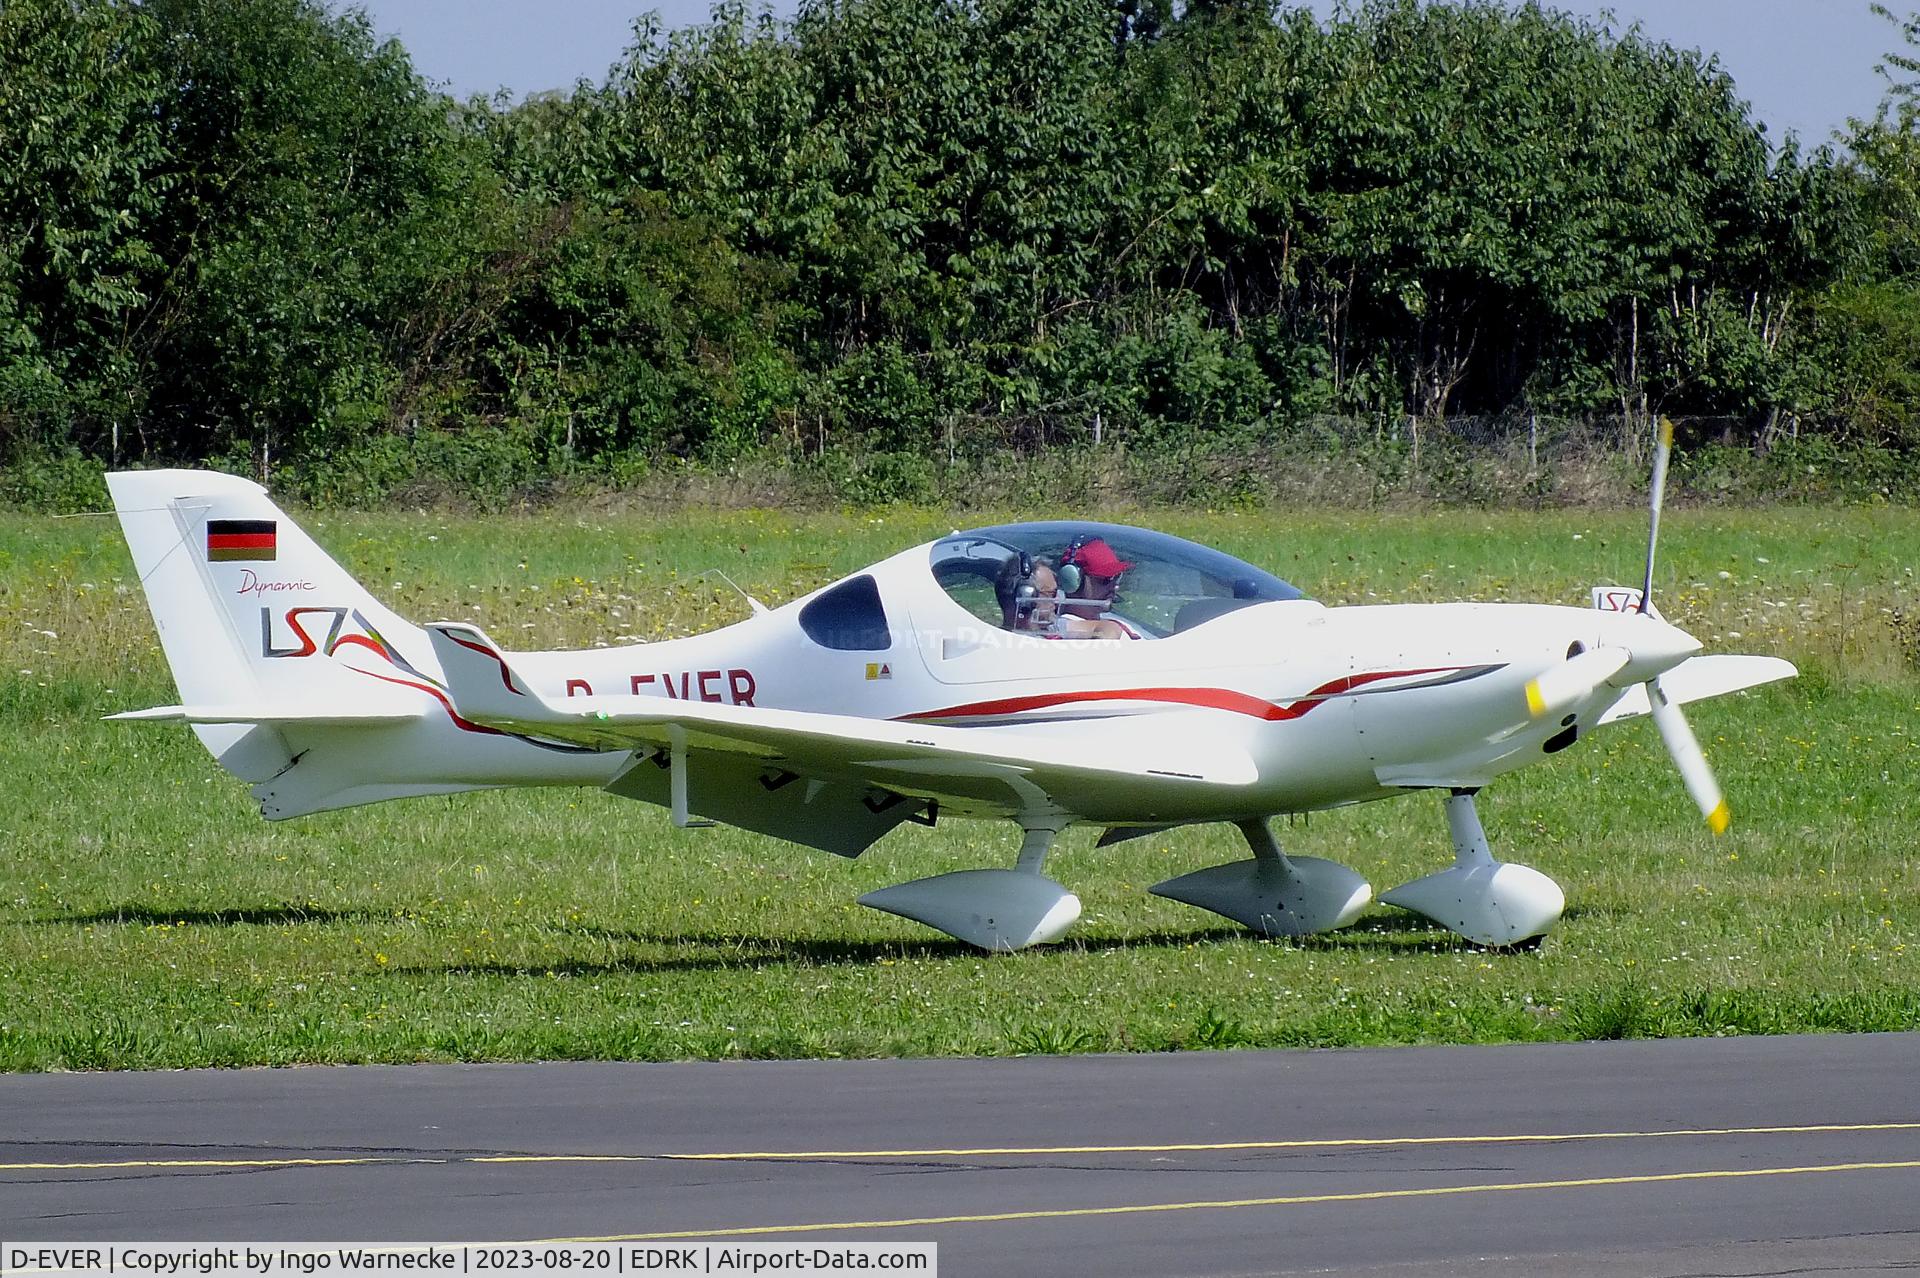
[896, 237]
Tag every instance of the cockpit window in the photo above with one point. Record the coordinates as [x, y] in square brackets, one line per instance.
[848, 618]
[1162, 584]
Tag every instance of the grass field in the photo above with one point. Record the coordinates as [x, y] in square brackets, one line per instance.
[149, 918]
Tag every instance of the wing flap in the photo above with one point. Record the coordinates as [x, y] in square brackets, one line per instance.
[840, 817]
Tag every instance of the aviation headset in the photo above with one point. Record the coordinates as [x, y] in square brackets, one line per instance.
[1025, 593]
[1068, 576]
[1071, 573]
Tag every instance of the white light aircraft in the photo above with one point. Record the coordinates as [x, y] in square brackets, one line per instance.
[945, 681]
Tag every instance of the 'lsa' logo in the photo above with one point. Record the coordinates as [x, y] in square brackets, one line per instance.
[305, 645]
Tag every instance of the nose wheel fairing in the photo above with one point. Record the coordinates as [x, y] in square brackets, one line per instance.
[1488, 902]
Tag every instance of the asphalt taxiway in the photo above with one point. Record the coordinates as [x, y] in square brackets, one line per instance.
[1727, 1156]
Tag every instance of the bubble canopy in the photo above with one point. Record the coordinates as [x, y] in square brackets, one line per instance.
[1170, 585]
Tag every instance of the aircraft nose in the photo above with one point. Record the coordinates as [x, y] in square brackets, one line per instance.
[1657, 647]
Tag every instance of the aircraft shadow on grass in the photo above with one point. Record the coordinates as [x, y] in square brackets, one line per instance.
[719, 950]
[722, 951]
[236, 916]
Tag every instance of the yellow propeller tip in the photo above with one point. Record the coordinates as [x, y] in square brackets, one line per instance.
[1720, 818]
[1666, 432]
[1536, 704]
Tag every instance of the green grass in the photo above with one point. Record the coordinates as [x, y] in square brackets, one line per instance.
[149, 918]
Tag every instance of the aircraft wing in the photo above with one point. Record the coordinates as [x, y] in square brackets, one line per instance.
[279, 712]
[1000, 770]
[1698, 678]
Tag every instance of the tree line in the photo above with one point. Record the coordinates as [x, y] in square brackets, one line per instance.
[246, 233]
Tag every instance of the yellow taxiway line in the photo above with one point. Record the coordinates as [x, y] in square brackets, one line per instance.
[1225, 1204]
[1354, 1142]
[991, 1151]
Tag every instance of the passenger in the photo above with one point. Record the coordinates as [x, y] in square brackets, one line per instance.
[1030, 604]
[1093, 575]
[1029, 595]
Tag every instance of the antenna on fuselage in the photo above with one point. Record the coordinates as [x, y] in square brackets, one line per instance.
[757, 607]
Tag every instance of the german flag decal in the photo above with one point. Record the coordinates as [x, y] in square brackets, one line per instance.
[231, 539]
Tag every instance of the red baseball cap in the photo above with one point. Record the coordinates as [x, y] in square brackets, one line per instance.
[1096, 558]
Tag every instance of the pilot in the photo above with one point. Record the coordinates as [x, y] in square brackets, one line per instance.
[1091, 572]
[1030, 604]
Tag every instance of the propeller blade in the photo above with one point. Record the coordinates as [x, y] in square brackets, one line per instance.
[1687, 756]
[1662, 450]
[1681, 743]
[1574, 680]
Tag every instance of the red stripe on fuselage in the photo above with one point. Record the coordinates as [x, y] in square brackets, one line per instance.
[1204, 698]
[465, 725]
[240, 541]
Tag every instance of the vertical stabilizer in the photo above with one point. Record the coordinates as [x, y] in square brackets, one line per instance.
[254, 617]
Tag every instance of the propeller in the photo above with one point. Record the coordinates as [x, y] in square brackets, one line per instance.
[1681, 743]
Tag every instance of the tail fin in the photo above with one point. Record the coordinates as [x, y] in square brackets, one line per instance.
[259, 625]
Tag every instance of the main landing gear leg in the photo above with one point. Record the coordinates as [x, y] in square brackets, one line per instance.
[1274, 894]
[1487, 901]
[993, 909]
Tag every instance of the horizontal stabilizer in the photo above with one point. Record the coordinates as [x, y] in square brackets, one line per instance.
[1699, 678]
[346, 715]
